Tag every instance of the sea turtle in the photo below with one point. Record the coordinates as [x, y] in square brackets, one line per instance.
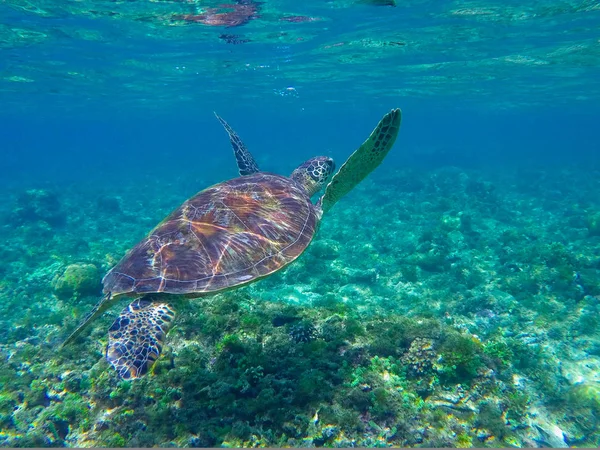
[226, 236]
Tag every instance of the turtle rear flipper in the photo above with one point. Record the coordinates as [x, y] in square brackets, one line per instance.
[100, 307]
[364, 160]
[245, 161]
[136, 338]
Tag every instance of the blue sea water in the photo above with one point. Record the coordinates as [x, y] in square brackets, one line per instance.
[90, 91]
[116, 99]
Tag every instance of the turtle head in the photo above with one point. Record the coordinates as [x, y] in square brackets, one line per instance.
[314, 173]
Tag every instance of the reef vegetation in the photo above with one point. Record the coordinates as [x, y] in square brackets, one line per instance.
[446, 307]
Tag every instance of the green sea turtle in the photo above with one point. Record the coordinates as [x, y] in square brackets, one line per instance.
[226, 236]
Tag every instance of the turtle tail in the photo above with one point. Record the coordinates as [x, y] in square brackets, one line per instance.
[100, 307]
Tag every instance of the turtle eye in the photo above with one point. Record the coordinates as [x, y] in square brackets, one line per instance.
[321, 168]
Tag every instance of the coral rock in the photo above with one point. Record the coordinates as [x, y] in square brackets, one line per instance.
[81, 279]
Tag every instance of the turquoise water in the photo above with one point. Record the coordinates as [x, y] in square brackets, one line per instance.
[451, 299]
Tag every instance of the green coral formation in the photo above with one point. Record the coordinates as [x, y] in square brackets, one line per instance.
[315, 381]
[593, 224]
[414, 319]
[78, 279]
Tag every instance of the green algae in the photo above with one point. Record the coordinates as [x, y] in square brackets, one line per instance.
[460, 356]
[8, 403]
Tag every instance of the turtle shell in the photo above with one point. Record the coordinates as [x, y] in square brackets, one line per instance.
[229, 234]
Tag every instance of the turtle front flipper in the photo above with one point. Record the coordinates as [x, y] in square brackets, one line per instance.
[245, 160]
[364, 160]
[136, 338]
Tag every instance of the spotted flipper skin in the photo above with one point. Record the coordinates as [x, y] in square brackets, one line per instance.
[136, 338]
[364, 160]
[245, 160]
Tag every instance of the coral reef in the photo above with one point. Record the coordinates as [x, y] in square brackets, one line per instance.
[38, 205]
[440, 319]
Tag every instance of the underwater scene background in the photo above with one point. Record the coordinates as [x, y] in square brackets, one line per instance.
[451, 299]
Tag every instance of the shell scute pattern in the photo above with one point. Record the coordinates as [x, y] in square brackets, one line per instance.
[224, 236]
